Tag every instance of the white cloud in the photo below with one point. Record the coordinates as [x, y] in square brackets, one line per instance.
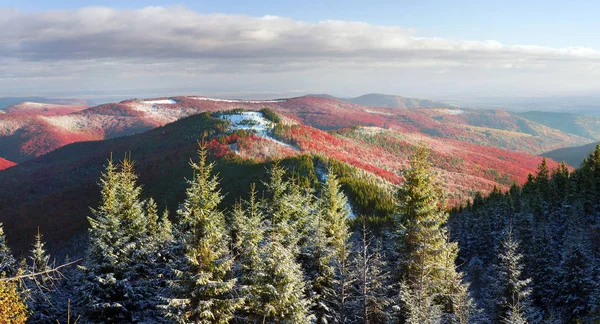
[177, 42]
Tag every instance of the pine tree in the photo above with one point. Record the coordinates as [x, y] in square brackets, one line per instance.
[575, 281]
[206, 292]
[7, 260]
[41, 283]
[331, 282]
[39, 258]
[247, 222]
[152, 215]
[118, 258]
[509, 293]
[426, 257]
[370, 289]
[277, 291]
[419, 307]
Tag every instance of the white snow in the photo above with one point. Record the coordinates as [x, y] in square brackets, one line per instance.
[254, 121]
[161, 102]
[238, 101]
[71, 123]
[249, 120]
[452, 111]
[378, 112]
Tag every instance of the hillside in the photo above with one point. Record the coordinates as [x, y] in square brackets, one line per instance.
[572, 155]
[23, 137]
[70, 173]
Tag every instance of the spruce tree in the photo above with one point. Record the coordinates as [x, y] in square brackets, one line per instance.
[7, 260]
[118, 260]
[39, 258]
[278, 296]
[152, 215]
[509, 293]
[426, 264]
[204, 289]
[370, 287]
[576, 282]
[331, 281]
[41, 283]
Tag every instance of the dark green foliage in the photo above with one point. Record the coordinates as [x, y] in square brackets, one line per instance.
[367, 196]
[270, 115]
[555, 217]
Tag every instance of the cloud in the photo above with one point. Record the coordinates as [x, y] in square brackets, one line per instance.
[158, 33]
[179, 42]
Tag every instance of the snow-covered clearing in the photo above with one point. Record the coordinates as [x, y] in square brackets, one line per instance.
[238, 101]
[161, 102]
[254, 121]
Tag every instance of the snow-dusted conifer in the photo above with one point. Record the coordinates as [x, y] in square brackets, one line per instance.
[203, 288]
[426, 264]
[7, 260]
[118, 255]
[331, 282]
[509, 292]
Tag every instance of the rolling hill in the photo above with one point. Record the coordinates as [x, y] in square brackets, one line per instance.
[10, 101]
[42, 109]
[24, 136]
[573, 156]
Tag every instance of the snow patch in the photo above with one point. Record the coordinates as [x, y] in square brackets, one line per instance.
[71, 123]
[378, 112]
[452, 111]
[159, 113]
[161, 102]
[238, 101]
[254, 121]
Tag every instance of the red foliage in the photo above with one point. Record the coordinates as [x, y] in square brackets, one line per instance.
[5, 164]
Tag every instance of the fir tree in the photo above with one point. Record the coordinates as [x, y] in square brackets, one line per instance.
[118, 257]
[152, 215]
[509, 293]
[427, 258]
[40, 284]
[370, 293]
[39, 258]
[575, 281]
[204, 286]
[278, 291]
[7, 260]
[331, 282]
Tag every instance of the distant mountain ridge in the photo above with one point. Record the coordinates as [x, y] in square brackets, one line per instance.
[573, 156]
[11, 101]
[390, 101]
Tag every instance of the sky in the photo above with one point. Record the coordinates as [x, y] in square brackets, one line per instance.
[265, 49]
